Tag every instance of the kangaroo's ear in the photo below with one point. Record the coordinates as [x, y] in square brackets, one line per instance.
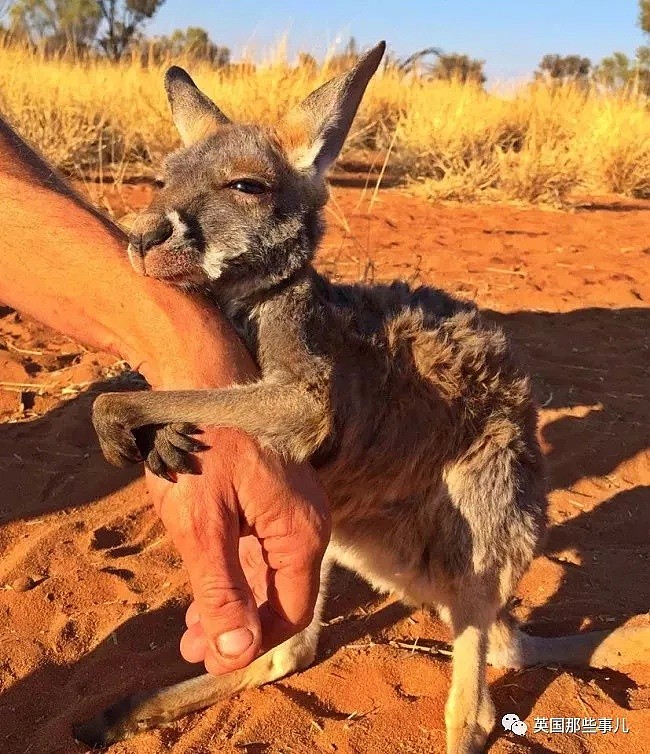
[314, 132]
[195, 115]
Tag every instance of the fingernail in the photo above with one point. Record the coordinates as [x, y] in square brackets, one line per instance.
[235, 643]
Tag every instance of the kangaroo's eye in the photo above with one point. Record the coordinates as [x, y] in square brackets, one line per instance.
[249, 186]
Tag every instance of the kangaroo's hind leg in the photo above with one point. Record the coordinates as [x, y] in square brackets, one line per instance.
[162, 706]
[158, 708]
[469, 712]
[485, 536]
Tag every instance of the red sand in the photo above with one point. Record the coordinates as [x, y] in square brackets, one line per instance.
[92, 593]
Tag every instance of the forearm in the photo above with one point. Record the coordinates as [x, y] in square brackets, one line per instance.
[65, 265]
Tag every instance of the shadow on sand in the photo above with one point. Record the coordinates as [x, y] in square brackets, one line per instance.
[595, 358]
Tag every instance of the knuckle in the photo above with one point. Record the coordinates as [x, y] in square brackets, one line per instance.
[220, 599]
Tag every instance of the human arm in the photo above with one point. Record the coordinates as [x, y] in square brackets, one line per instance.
[64, 264]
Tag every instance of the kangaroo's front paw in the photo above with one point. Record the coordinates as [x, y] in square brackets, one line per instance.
[168, 448]
[110, 419]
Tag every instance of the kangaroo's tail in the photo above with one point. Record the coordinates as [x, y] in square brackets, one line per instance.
[510, 647]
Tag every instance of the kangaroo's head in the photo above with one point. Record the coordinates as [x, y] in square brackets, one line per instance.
[241, 206]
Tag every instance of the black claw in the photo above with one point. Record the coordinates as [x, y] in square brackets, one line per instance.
[166, 475]
[125, 449]
[187, 444]
[156, 465]
[184, 466]
[167, 449]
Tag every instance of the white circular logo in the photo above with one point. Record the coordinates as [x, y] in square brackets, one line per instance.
[513, 723]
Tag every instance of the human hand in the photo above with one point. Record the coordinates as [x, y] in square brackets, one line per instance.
[252, 531]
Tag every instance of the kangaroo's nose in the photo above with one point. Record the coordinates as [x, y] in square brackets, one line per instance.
[147, 240]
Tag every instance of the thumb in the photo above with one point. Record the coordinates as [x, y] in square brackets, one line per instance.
[228, 626]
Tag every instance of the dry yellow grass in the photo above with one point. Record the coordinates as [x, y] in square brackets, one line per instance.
[458, 141]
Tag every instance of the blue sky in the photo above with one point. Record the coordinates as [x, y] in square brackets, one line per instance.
[510, 35]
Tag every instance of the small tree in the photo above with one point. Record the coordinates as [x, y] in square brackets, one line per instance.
[123, 20]
[564, 68]
[644, 15]
[618, 71]
[614, 71]
[456, 67]
[56, 24]
[193, 42]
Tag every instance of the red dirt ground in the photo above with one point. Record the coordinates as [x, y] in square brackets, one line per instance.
[92, 593]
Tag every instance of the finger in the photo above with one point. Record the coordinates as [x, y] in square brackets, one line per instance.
[294, 532]
[292, 594]
[294, 576]
[206, 532]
